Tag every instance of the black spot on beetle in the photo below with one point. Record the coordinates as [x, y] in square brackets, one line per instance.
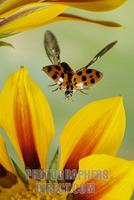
[54, 76]
[57, 67]
[92, 81]
[88, 71]
[71, 87]
[49, 69]
[84, 78]
[98, 74]
[79, 73]
[67, 87]
[62, 75]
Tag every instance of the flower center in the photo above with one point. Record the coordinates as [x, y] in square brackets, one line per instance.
[31, 194]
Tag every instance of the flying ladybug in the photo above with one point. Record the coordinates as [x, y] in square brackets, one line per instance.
[63, 75]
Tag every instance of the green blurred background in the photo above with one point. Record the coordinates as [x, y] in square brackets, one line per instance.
[79, 42]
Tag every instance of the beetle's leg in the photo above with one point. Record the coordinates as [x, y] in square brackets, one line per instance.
[55, 89]
[51, 85]
[83, 92]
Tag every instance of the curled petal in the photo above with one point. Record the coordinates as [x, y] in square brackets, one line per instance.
[67, 16]
[29, 16]
[6, 5]
[26, 118]
[97, 128]
[117, 184]
[97, 5]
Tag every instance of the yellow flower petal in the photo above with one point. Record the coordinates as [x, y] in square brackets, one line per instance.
[4, 158]
[6, 5]
[66, 17]
[26, 118]
[97, 128]
[116, 184]
[29, 16]
[97, 5]
[7, 172]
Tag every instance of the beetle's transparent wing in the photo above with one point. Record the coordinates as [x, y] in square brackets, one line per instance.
[52, 47]
[101, 53]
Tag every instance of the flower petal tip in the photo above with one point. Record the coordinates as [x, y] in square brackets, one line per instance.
[22, 67]
[93, 127]
[30, 118]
